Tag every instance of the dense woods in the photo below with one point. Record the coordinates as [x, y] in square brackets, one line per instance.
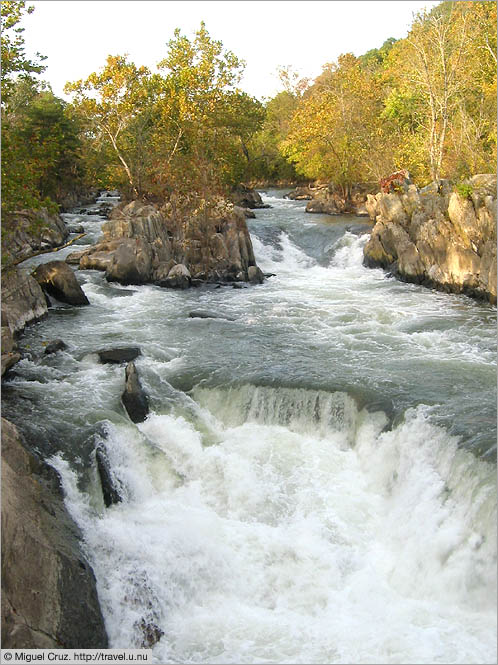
[426, 103]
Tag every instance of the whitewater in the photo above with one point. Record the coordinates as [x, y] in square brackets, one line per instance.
[316, 481]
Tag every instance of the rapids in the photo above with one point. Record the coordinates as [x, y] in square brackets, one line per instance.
[316, 482]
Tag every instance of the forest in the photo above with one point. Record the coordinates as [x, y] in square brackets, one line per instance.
[425, 103]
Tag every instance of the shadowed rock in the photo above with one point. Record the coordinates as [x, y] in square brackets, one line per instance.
[110, 492]
[58, 280]
[121, 355]
[134, 398]
[49, 596]
[54, 346]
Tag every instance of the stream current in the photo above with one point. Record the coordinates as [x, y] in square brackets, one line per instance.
[316, 482]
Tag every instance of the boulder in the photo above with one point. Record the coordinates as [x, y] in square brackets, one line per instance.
[58, 280]
[300, 194]
[110, 492]
[134, 397]
[437, 237]
[179, 277]
[49, 596]
[255, 275]
[23, 300]
[54, 346]
[245, 197]
[76, 228]
[119, 355]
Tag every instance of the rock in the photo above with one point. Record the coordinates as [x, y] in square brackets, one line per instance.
[27, 231]
[120, 355]
[23, 300]
[331, 200]
[58, 280]
[54, 346]
[178, 277]
[201, 314]
[75, 257]
[9, 359]
[76, 228]
[144, 244]
[300, 194]
[244, 197]
[248, 214]
[110, 492]
[436, 237]
[255, 275]
[151, 634]
[49, 596]
[134, 398]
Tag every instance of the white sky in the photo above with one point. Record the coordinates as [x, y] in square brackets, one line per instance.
[77, 35]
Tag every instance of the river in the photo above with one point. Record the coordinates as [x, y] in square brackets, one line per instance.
[316, 482]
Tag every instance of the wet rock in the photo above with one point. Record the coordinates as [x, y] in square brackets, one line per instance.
[134, 397]
[119, 355]
[58, 280]
[49, 596]
[151, 634]
[300, 194]
[75, 257]
[202, 314]
[76, 228]
[110, 492]
[54, 346]
[255, 275]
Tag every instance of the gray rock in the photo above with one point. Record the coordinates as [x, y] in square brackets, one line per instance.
[23, 300]
[202, 314]
[58, 280]
[134, 398]
[119, 355]
[110, 492]
[49, 596]
[178, 277]
[255, 275]
[54, 346]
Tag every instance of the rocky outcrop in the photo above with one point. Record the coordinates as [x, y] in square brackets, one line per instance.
[49, 597]
[142, 243]
[134, 399]
[23, 302]
[439, 236]
[331, 200]
[26, 232]
[301, 194]
[58, 280]
[245, 197]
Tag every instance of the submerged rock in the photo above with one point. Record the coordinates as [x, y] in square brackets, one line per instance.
[134, 397]
[202, 314]
[58, 280]
[110, 492]
[49, 596]
[437, 237]
[120, 355]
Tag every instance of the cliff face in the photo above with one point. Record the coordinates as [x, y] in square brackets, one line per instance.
[49, 597]
[144, 243]
[438, 237]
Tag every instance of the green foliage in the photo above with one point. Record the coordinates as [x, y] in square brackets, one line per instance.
[464, 189]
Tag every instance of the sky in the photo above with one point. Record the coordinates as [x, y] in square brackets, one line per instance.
[78, 35]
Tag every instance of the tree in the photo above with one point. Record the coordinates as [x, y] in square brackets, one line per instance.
[110, 101]
[333, 132]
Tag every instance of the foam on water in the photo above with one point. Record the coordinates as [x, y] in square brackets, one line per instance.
[307, 533]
